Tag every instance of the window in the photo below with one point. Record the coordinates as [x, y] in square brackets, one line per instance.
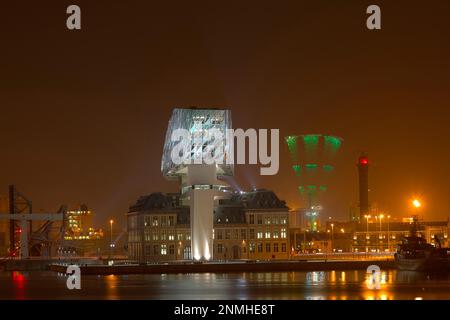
[188, 236]
[148, 250]
[283, 247]
[236, 234]
[171, 220]
[179, 236]
[163, 249]
[163, 235]
[171, 249]
[267, 220]
[251, 219]
[219, 248]
[155, 221]
[171, 236]
[276, 234]
[259, 247]
[156, 249]
[267, 247]
[251, 247]
[283, 233]
[267, 234]
[259, 235]
[219, 234]
[163, 220]
[252, 234]
[147, 235]
[259, 219]
[283, 220]
[243, 234]
[275, 247]
[155, 236]
[275, 220]
[227, 234]
[147, 222]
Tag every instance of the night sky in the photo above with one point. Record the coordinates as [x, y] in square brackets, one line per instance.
[84, 113]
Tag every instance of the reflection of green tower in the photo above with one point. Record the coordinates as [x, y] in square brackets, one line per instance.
[312, 156]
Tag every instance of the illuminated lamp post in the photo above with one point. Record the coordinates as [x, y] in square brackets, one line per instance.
[367, 216]
[111, 237]
[388, 234]
[332, 238]
[380, 238]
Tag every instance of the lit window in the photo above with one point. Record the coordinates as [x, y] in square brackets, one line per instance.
[283, 233]
[259, 235]
[163, 249]
[267, 234]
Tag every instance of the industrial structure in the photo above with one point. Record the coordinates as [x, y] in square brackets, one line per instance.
[371, 230]
[363, 179]
[313, 157]
[24, 233]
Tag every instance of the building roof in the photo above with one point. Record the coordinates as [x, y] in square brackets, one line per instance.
[260, 199]
[229, 211]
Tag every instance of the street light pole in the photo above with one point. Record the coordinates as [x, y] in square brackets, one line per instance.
[332, 236]
[367, 232]
[380, 238]
[388, 217]
[111, 237]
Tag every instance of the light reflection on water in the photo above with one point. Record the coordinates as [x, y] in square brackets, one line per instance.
[316, 285]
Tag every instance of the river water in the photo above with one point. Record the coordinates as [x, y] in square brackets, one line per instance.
[334, 285]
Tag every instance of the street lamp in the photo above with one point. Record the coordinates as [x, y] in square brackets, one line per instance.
[380, 238]
[367, 216]
[388, 217]
[111, 237]
[332, 233]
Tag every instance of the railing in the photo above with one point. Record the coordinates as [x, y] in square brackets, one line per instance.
[345, 256]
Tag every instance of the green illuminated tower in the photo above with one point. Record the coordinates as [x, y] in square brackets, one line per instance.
[313, 157]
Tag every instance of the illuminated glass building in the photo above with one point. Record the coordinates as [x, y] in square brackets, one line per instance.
[199, 180]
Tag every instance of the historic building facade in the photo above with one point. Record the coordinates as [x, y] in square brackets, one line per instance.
[251, 225]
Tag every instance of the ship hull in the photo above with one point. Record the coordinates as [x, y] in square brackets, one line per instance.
[423, 264]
